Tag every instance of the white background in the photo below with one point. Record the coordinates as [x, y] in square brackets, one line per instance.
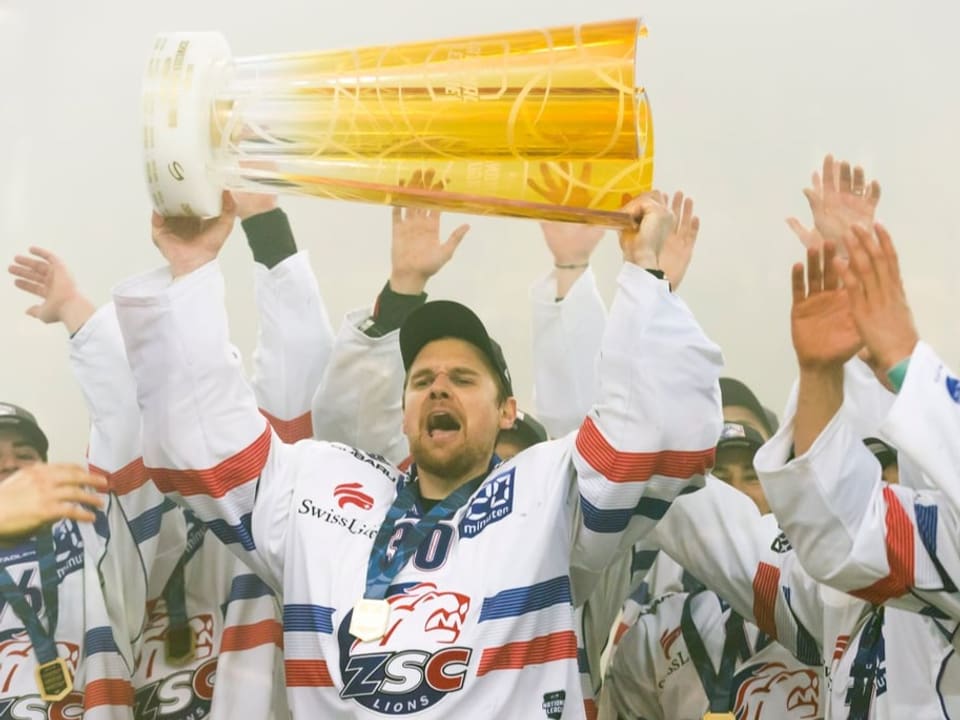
[747, 96]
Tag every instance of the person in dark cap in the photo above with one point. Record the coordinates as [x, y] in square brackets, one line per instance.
[740, 404]
[736, 447]
[22, 442]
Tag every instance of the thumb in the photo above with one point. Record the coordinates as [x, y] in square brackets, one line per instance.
[34, 311]
[453, 242]
[156, 219]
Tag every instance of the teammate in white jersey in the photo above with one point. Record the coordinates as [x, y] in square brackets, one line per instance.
[689, 653]
[60, 656]
[478, 621]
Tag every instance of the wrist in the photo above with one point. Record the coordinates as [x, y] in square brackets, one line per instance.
[895, 356]
[75, 312]
[408, 283]
[647, 259]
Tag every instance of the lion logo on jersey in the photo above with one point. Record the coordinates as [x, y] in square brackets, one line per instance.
[398, 682]
[774, 690]
[17, 661]
[155, 638]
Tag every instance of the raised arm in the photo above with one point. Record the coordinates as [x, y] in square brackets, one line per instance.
[651, 433]
[205, 442]
[852, 531]
[294, 337]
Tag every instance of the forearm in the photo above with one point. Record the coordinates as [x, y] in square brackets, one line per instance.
[819, 397]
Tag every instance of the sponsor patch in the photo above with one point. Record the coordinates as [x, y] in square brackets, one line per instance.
[494, 501]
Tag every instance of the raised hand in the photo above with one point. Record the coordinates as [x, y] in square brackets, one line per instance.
[416, 252]
[677, 249]
[42, 493]
[821, 323]
[187, 243]
[840, 197]
[643, 243]
[46, 276]
[877, 299]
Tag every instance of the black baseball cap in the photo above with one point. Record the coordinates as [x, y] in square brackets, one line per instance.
[16, 417]
[884, 454]
[734, 392]
[442, 319]
[735, 435]
[528, 429]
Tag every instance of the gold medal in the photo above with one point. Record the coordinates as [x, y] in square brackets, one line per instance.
[719, 716]
[180, 645]
[54, 681]
[370, 619]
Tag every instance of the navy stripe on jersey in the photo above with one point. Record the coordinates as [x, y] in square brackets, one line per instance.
[927, 518]
[99, 640]
[146, 525]
[616, 520]
[234, 534]
[642, 560]
[247, 587]
[308, 618]
[523, 600]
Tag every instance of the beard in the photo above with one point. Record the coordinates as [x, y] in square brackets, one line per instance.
[450, 464]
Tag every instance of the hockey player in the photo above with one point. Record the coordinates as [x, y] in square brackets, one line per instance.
[689, 653]
[444, 627]
[60, 657]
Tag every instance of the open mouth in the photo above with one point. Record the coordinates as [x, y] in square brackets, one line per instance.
[441, 424]
[807, 696]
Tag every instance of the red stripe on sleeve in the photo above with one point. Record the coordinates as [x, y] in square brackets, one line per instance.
[130, 477]
[290, 431]
[590, 709]
[307, 673]
[516, 655]
[900, 555]
[637, 466]
[107, 692]
[244, 637]
[765, 586]
[220, 479]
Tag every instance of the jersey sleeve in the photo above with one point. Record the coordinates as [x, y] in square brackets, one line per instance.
[650, 434]
[99, 363]
[205, 442]
[851, 530]
[566, 343]
[358, 402]
[718, 536]
[294, 342]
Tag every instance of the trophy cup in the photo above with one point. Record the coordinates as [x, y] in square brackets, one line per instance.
[546, 124]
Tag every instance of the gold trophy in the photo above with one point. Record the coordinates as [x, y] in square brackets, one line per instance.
[547, 124]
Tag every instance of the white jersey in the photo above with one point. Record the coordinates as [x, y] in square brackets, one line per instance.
[472, 634]
[653, 676]
[358, 402]
[898, 545]
[99, 564]
[720, 537]
[234, 616]
[294, 343]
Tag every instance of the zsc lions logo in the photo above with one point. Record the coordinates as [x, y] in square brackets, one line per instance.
[400, 682]
[350, 494]
[772, 690]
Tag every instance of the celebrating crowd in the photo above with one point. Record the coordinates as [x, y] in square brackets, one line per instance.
[368, 526]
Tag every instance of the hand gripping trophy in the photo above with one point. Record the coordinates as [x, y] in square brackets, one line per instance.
[547, 124]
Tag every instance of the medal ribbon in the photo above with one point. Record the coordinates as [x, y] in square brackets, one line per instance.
[44, 646]
[718, 685]
[866, 665]
[380, 570]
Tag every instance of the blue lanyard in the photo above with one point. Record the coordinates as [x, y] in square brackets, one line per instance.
[381, 570]
[866, 666]
[718, 685]
[44, 646]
